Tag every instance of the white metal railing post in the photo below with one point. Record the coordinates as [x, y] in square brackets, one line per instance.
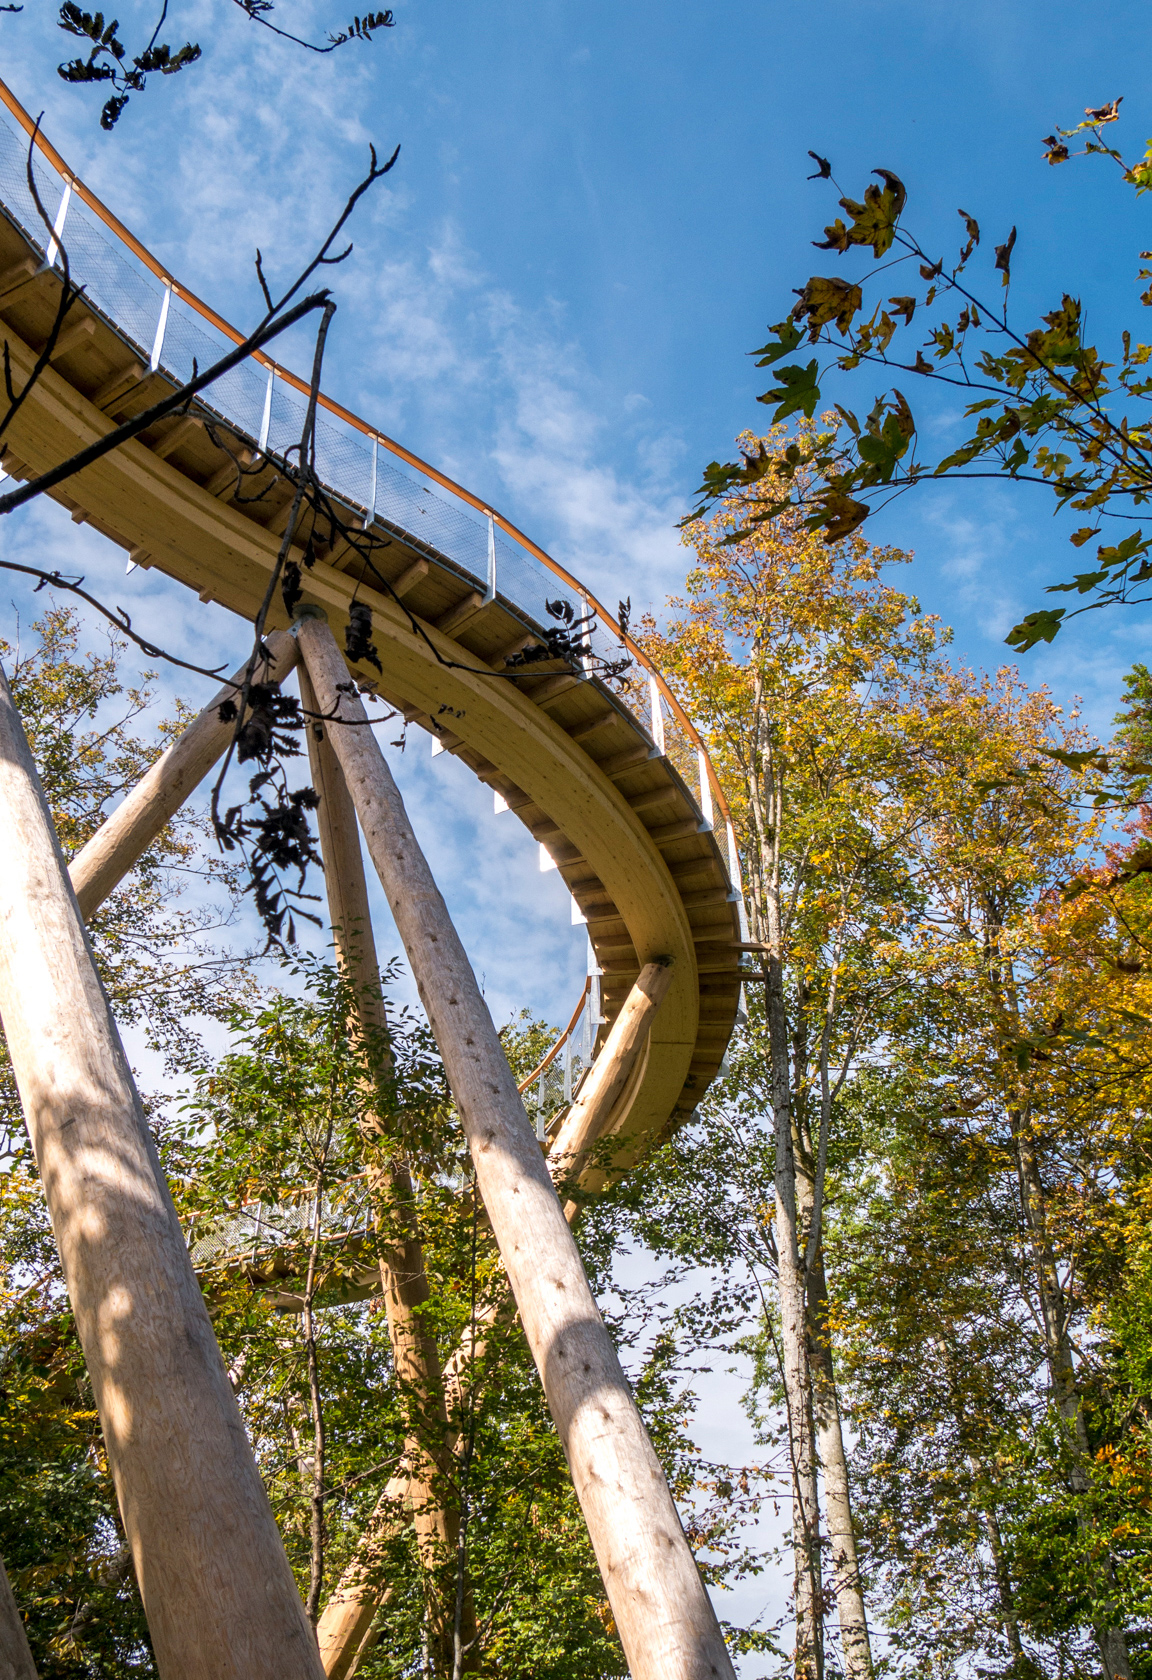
[705, 786]
[589, 617]
[53, 250]
[266, 421]
[737, 881]
[161, 329]
[490, 593]
[654, 701]
[375, 470]
[595, 1011]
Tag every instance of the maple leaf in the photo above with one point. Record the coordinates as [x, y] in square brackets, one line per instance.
[873, 222]
[823, 300]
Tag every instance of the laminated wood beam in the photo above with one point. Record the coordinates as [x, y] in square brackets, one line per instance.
[118, 384]
[461, 614]
[410, 578]
[228, 477]
[101, 865]
[666, 1622]
[72, 336]
[610, 719]
[176, 435]
[18, 275]
[219, 1595]
[552, 687]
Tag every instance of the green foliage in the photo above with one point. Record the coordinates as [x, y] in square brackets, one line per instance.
[1046, 407]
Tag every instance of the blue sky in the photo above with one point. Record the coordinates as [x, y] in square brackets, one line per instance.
[597, 211]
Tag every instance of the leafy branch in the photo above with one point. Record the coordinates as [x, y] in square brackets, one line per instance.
[108, 62]
[1046, 407]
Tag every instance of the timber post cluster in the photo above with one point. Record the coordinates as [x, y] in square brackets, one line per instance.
[594, 773]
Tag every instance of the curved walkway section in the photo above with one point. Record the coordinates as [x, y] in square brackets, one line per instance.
[611, 780]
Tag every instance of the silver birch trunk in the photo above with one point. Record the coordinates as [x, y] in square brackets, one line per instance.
[767, 801]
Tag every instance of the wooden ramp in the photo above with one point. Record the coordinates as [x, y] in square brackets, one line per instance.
[612, 782]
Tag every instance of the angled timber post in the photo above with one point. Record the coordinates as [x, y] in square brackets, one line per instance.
[220, 1598]
[587, 1119]
[100, 866]
[347, 1617]
[16, 1662]
[667, 1625]
[429, 1460]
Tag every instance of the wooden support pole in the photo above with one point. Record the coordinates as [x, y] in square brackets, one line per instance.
[218, 1593]
[667, 1625]
[587, 1119]
[347, 1620]
[99, 867]
[16, 1662]
[430, 1468]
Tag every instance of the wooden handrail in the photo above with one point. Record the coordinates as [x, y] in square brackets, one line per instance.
[116, 226]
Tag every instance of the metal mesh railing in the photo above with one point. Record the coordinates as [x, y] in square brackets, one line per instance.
[370, 473]
[258, 1229]
[551, 1086]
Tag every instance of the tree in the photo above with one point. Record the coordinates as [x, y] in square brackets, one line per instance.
[976, 1241]
[1048, 408]
[796, 662]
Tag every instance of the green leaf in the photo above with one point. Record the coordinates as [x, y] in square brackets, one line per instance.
[1035, 627]
[797, 391]
[788, 336]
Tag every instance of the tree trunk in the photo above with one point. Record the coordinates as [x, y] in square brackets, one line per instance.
[1009, 1620]
[429, 1490]
[219, 1595]
[15, 1654]
[667, 1625]
[1113, 1645]
[792, 1294]
[846, 1584]
[809, 1656]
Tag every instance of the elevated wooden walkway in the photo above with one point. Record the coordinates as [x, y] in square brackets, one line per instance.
[611, 781]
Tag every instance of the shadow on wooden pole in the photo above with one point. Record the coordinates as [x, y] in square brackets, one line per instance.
[220, 1598]
[666, 1622]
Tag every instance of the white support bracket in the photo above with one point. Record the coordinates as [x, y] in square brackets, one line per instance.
[705, 787]
[490, 592]
[266, 421]
[53, 250]
[656, 709]
[161, 329]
